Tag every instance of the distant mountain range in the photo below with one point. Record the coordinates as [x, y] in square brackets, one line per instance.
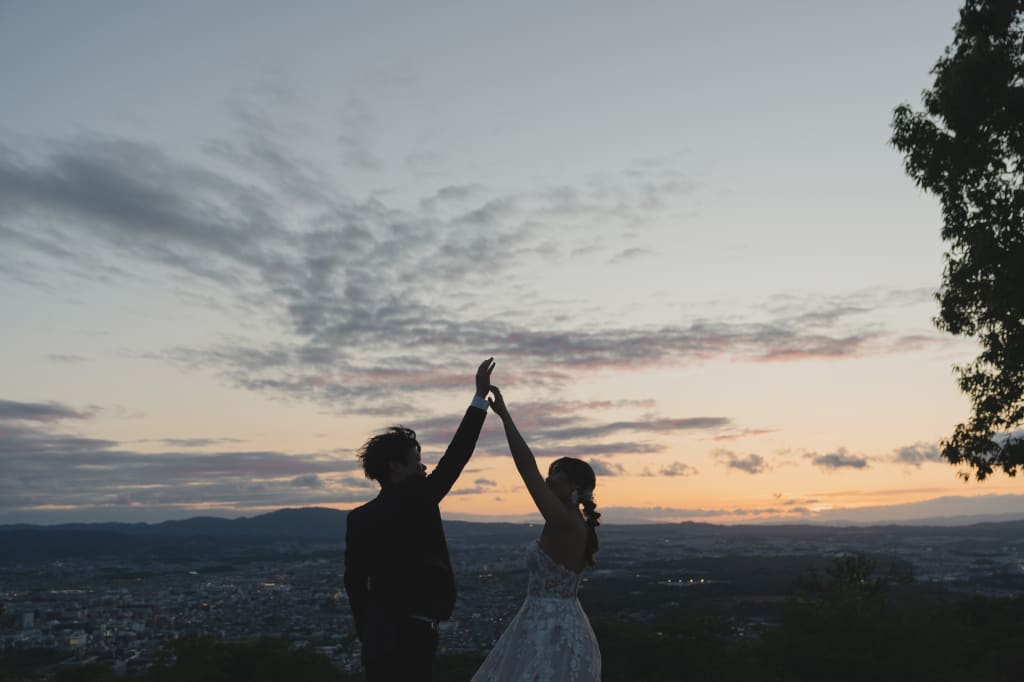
[201, 536]
[189, 537]
[312, 523]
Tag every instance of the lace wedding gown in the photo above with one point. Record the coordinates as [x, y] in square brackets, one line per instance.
[550, 639]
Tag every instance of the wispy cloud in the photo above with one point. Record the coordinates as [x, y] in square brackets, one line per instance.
[795, 501]
[67, 358]
[43, 412]
[743, 433]
[640, 426]
[601, 449]
[629, 255]
[356, 151]
[751, 463]
[308, 481]
[678, 469]
[917, 454]
[474, 490]
[841, 459]
[334, 275]
[572, 429]
[603, 468]
[196, 442]
[99, 473]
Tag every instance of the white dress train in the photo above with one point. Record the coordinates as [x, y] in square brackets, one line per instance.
[550, 638]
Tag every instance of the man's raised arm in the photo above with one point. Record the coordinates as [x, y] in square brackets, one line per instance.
[447, 471]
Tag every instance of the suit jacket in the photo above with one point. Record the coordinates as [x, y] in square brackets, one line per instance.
[396, 556]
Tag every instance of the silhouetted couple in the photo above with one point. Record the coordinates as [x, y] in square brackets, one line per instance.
[399, 577]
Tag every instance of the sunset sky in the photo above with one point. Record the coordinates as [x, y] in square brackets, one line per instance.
[238, 238]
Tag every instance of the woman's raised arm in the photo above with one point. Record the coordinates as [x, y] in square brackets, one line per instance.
[550, 507]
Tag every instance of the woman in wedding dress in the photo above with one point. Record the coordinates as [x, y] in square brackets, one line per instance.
[550, 638]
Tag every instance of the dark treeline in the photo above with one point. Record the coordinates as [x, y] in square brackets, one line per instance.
[841, 623]
[837, 626]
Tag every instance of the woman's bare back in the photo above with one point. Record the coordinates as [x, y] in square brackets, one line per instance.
[566, 544]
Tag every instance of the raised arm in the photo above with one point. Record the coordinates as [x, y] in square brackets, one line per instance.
[454, 460]
[550, 507]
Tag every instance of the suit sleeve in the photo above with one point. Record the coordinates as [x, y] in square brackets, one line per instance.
[357, 577]
[444, 475]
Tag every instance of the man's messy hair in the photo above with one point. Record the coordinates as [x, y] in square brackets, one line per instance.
[381, 450]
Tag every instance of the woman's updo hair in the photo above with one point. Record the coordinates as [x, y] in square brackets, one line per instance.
[583, 480]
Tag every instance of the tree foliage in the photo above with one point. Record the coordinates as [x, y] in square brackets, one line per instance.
[844, 626]
[967, 147]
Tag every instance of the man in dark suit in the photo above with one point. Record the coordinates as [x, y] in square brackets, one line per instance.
[398, 575]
